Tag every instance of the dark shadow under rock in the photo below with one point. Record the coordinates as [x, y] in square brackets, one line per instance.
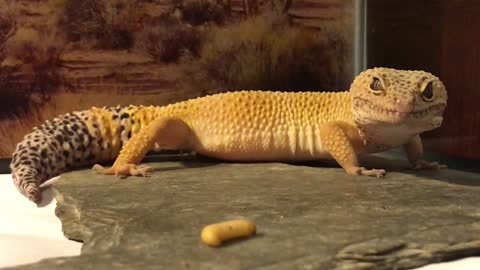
[308, 217]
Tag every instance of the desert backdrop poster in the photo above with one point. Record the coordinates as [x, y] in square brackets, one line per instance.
[58, 56]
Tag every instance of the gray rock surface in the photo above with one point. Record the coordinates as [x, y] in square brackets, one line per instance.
[308, 216]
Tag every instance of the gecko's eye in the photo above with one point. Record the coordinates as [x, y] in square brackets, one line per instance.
[376, 86]
[427, 93]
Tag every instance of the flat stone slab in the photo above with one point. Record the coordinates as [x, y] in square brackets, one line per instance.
[308, 216]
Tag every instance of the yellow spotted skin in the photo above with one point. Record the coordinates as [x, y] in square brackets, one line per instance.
[273, 125]
[384, 108]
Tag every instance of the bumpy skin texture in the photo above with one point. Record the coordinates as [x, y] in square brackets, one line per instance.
[384, 108]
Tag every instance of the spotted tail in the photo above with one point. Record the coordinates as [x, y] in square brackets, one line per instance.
[74, 140]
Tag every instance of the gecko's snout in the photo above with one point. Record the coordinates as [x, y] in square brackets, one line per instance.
[404, 105]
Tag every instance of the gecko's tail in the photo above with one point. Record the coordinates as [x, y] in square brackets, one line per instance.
[46, 152]
[73, 140]
[33, 163]
[27, 182]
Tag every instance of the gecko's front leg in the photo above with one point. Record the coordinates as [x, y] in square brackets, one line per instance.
[340, 140]
[167, 133]
[414, 150]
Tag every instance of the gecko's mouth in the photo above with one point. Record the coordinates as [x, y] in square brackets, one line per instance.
[434, 110]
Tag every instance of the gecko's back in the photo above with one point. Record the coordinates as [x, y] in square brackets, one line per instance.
[273, 125]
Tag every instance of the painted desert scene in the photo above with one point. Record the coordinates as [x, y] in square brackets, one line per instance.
[58, 56]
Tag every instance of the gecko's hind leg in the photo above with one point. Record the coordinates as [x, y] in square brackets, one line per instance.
[168, 133]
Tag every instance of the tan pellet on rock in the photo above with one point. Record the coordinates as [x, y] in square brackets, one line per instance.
[215, 234]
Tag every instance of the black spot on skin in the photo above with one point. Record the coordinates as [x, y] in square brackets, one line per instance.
[95, 125]
[55, 145]
[124, 115]
[65, 153]
[43, 154]
[59, 138]
[114, 117]
[66, 129]
[27, 162]
[34, 148]
[122, 128]
[75, 127]
[90, 140]
[129, 134]
[42, 164]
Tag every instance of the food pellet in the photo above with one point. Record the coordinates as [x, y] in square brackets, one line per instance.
[214, 234]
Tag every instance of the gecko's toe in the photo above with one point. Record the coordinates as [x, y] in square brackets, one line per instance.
[378, 173]
[142, 170]
[124, 170]
[426, 165]
[97, 168]
[363, 171]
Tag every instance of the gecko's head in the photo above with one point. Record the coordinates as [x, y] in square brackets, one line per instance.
[388, 96]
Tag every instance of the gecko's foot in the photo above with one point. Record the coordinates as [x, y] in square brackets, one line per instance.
[363, 171]
[124, 170]
[426, 165]
[139, 170]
